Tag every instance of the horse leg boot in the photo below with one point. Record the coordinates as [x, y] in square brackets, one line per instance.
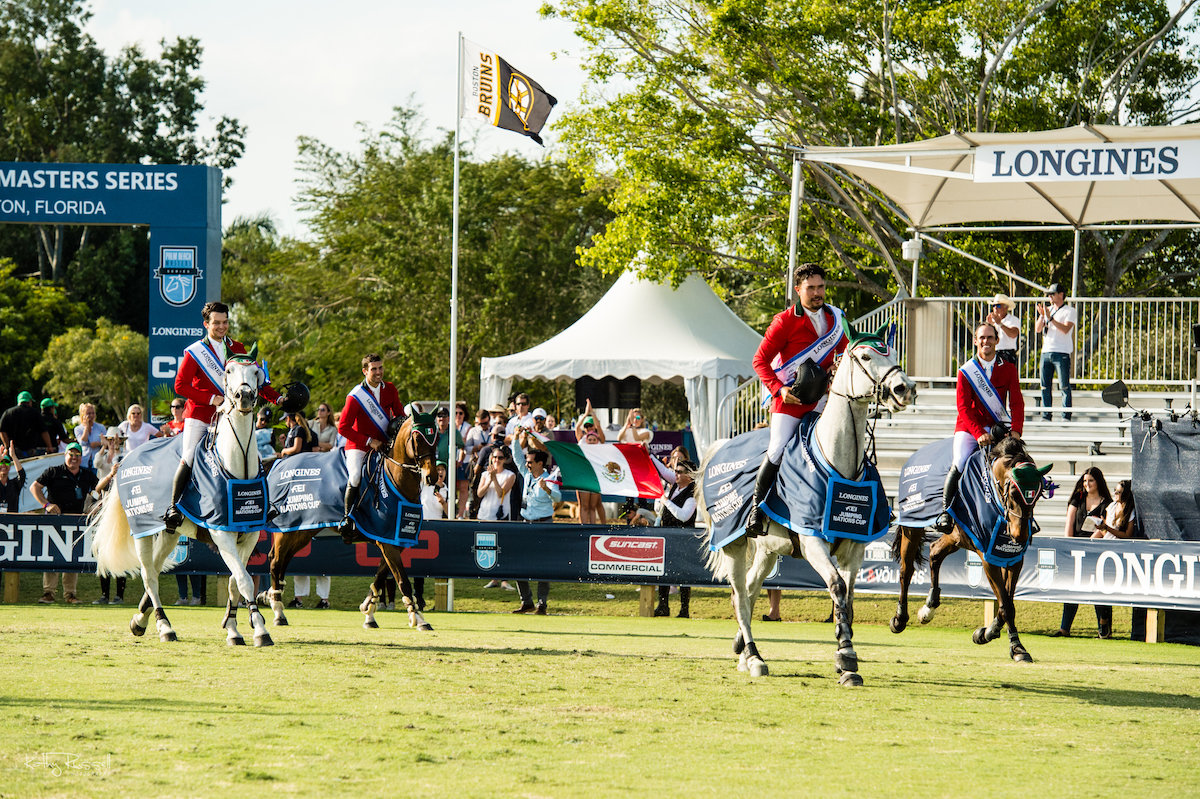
[346, 528]
[172, 517]
[945, 523]
[756, 524]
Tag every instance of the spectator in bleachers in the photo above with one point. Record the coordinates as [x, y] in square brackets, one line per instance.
[522, 416]
[1085, 508]
[1056, 322]
[10, 484]
[63, 489]
[634, 431]
[54, 428]
[264, 437]
[1008, 327]
[324, 429]
[21, 429]
[135, 430]
[89, 434]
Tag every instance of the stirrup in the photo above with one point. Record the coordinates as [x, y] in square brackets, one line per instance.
[172, 518]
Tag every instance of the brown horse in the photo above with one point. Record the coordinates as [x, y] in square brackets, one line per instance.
[411, 462]
[1020, 485]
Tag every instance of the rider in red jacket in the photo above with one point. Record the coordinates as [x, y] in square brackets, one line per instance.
[370, 407]
[813, 329]
[200, 380]
[985, 386]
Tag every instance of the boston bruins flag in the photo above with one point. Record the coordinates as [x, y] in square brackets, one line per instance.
[502, 94]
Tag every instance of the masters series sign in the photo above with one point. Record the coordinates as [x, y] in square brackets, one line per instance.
[182, 206]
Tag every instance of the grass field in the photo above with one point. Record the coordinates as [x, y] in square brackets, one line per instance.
[589, 701]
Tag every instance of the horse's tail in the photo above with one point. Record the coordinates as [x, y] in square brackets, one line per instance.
[112, 541]
[917, 537]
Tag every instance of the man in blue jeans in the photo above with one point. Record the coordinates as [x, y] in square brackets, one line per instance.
[1056, 322]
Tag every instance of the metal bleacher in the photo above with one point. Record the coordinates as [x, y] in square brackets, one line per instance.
[1097, 435]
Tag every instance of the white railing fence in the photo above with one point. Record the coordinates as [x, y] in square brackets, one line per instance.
[1145, 341]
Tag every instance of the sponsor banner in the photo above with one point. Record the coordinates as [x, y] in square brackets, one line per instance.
[627, 555]
[1152, 574]
[1060, 162]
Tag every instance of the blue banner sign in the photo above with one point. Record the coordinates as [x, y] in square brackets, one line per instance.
[1151, 574]
[180, 204]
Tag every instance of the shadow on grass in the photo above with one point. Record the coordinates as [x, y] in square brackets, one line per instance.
[1092, 695]
[123, 705]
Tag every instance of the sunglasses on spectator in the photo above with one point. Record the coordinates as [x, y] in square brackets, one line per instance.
[177, 407]
[5, 461]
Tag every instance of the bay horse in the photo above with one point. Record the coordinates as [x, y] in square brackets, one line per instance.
[1019, 483]
[866, 371]
[410, 463]
[118, 553]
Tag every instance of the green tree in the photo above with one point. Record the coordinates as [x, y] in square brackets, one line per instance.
[66, 101]
[105, 365]
[30, 314]
[696, 100]
[376, 278]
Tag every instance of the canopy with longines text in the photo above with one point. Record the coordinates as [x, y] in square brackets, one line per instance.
[1079, 176]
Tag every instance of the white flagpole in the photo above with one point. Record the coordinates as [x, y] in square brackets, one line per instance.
[451, 471]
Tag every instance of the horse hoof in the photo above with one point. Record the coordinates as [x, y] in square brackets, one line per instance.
[263, 640]
[281, 621]
[898, 624]
[850, 679]
[371, 624]
[426, 627]
[239, 641]
[739, 644]
[136, 628]
[167, 637]
[925, 614]
[980, 636]
[758, 669]
[846, 664]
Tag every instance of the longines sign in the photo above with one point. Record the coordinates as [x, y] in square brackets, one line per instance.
[1162, 160]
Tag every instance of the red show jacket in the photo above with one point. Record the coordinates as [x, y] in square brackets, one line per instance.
[193, 384]
[789, 333]
[357, 428]
[973, 416]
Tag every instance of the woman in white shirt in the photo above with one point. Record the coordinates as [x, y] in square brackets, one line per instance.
[634, 430]
[135, 431]
[494, 487]
[324, 429]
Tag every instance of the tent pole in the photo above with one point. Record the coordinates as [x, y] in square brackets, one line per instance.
[794, 226]
[452, 452]
[1075, 268]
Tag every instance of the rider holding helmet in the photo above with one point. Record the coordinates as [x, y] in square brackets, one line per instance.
[201, 380]
[794, 362]
[370, 408]
[985, 385]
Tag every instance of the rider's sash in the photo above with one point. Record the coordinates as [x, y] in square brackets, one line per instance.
[371, 407]
[210, 365]
[985, 391]
[817, 352]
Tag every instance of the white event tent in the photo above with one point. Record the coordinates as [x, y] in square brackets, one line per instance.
[646, 330]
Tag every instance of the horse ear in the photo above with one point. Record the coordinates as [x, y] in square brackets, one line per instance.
[253, 353]
[1042, 471]
[850, 332]
[881, 333]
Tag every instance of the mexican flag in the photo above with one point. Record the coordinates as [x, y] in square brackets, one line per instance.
[622, 470]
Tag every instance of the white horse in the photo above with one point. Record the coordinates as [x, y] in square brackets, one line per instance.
[867, 371]
[119, 553]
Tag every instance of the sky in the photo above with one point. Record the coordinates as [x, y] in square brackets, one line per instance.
[301, 68]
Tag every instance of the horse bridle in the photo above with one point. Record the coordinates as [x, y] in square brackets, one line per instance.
[413, 435]
[245, 448]
[876, 392]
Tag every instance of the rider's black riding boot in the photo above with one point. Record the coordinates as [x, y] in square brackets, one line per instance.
[172, 516]
[945, 523]
[685, 601]
[347, 528]
[756, 525]
[664, 604]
